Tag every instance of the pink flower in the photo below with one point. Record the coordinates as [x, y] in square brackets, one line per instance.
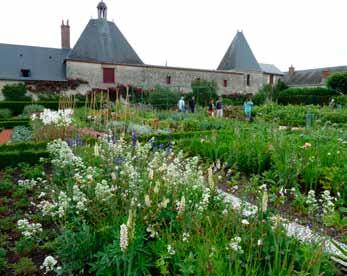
[306, 146]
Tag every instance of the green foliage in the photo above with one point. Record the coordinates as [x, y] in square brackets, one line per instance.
[163, 98]
[76, 248]
[25, 246]
[21, 134]
[306, 96]
[204, 91]
[15, 92]
[3, 262]
[5, 113]
[24, 266]
[33, 108]
[338, 82]
[342, 100]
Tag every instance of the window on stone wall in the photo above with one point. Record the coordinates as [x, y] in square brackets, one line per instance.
[168, 79]
[248, 80]
[25, 73]
[271, 79]
[109, 76]
[225, 83]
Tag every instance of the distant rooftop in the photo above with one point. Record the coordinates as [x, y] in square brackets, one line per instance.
[311, 77]
[37, 63]
[270, 69]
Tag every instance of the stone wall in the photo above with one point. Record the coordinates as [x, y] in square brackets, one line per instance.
[150, 76]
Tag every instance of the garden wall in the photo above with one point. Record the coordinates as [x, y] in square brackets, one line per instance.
[150, 76]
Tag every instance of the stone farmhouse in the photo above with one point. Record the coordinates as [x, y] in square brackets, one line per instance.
[103, 58]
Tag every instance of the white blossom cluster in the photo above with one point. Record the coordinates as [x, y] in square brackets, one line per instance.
[62, 118]
[31, 183]
[235, 245]
[29, 230]
[50, 264]
[123, 237]
[62, 155]
[104, 191]
[328, 203]
[311, 202]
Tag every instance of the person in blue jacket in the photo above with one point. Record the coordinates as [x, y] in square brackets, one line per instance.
[248, 107]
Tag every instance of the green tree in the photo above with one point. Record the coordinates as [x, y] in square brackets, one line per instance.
[338, 82]
[15, 92]
[204, 90]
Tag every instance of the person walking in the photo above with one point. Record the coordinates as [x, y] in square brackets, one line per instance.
[192, 104]
[219, 108]
[211, 108]
[181, 105]
[248, 106]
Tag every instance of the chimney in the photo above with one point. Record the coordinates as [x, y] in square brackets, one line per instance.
[65, 35]
[325, 74]
[291, 70]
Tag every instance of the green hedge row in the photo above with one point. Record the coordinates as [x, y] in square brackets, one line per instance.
[12, 155]
[14, 123]
[17, 107]
[13, 158]
[306, 96]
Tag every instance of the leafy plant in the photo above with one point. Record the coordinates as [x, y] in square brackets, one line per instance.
[21, 134]
[25, 266]
[338, 82]
[15, 92]
[5, 113]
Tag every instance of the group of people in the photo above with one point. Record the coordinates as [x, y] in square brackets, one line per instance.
[215, 109]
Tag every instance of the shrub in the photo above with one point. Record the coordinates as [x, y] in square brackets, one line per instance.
[204, 90]
[33, 108]
[21, 134]
[15, 92]
[3, 262]
[5, 113]
[338, 82]
[341, 100]
[234, 99]
[163, 98]
[25, 266]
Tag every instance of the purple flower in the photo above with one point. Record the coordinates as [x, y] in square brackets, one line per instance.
[134, 139]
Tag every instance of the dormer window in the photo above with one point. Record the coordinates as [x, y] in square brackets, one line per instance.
[25, 73]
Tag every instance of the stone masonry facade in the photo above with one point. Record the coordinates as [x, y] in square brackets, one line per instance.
[150, 76]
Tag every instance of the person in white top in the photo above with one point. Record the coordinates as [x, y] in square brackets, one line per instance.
[181, 105]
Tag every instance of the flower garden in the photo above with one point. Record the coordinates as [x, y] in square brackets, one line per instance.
[127, 190]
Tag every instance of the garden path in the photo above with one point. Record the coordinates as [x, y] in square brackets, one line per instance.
[5, 136]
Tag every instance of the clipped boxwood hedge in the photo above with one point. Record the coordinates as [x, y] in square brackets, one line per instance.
[17, 107]
[306, 96]
[13, 154]
[14, 122]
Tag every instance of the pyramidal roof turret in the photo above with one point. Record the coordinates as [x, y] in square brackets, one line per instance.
[102, 42]
[239, 56]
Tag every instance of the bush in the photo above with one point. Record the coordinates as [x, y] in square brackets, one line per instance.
[15, 92]
[338, 82]
[25, 266]
[306, 96]
[204, 90]
[21, 134]
[341, 100]
[234, 99]
[5, 113]
[33, 108]
[163, 98]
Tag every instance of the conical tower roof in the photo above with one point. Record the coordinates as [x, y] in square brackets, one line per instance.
[239, 56]
[102, 41]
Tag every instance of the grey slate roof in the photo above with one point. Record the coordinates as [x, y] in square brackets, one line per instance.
[102, 41]
[310, 77]
[270, 69]
[239, 56]
[45, 64]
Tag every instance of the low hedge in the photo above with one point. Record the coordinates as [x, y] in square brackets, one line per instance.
[306, 96]
[13, 158]
[13, 154]
[23, 147]
[17, 107]
[14, 123]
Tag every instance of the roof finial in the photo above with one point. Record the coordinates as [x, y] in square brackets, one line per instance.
[102, 10]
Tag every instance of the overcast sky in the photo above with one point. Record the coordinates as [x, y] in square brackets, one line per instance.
[194, 33]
